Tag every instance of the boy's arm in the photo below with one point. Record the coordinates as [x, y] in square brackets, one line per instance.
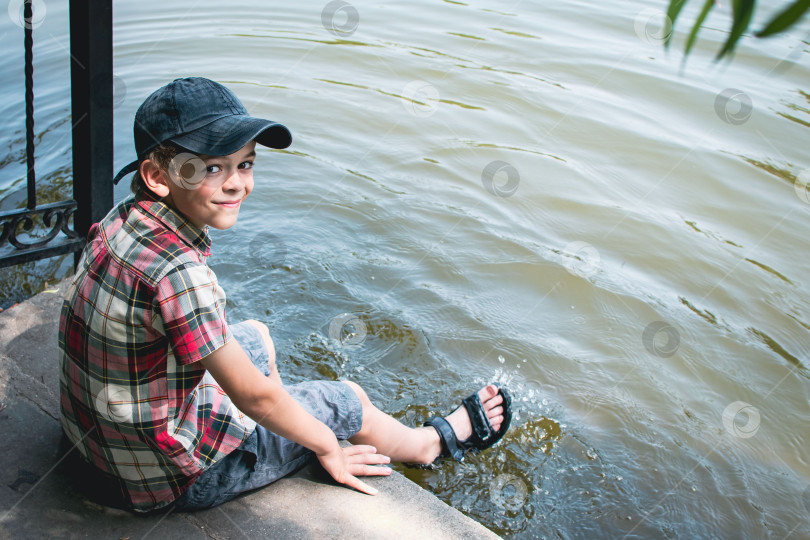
[269, 404]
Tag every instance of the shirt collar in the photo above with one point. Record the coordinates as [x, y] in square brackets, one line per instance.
[174, 221]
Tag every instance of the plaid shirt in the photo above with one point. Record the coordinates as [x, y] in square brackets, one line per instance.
[142, 310]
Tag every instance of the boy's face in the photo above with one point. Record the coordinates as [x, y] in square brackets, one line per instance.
[214, 194]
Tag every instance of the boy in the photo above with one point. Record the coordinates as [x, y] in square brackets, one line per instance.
[167, 402]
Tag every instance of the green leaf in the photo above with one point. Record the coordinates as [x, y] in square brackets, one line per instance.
[707, 7]
[674, 9]
[743, 11]
[785, 19]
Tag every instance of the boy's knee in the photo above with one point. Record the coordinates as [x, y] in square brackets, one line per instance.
[359, 391]
[265, 333]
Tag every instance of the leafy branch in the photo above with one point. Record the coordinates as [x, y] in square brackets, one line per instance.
[742, 13]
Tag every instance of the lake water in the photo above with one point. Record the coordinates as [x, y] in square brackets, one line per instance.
[529, 192]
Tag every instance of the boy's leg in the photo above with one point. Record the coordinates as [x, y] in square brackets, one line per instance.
[385, 433]
[265, 456]
[418, 445]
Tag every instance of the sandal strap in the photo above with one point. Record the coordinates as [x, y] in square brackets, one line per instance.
[507, 414]
[482, 429]
[448, 437]
[483, 435]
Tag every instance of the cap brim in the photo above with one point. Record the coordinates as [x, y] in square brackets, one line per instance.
[228, 134]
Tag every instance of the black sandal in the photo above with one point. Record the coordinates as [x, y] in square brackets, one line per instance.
[483, 435]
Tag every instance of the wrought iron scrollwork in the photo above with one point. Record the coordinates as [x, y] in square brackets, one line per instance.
[55, 216]
[31, 234]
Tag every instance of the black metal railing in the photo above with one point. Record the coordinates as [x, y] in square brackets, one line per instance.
[92, 122]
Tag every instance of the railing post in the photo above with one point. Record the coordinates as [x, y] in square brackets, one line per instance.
[91, 78]
[29, 103]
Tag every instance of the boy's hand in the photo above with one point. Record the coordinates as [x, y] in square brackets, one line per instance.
[345, 464]
[259, 396]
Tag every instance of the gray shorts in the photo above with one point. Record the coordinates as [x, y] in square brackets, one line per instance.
[266, 457]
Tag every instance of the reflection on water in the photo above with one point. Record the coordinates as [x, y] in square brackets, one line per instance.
[536, 194]
[803, 111]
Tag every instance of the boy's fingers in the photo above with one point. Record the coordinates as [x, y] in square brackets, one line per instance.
[364, 454]
[359, 449]
[369, 470]
[369, 459]
[359, 485]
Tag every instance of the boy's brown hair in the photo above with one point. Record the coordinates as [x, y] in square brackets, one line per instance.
[162, 156]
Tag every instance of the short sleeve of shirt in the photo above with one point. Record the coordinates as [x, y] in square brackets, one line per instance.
[191, 304]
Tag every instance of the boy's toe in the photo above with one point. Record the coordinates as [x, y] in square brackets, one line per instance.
[492, 402]
[488, 392]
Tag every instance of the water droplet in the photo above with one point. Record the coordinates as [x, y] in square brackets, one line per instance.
[501, 359]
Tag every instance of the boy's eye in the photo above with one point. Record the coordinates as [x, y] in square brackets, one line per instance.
[213, 169]
[246, 165]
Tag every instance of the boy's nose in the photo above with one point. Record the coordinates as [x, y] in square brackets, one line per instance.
[233, 182]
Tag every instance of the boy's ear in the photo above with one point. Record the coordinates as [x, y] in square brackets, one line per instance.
[154, 178]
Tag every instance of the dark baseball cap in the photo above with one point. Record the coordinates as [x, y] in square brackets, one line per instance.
[203, 117]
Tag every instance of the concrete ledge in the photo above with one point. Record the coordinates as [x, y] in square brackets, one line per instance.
[37, 500]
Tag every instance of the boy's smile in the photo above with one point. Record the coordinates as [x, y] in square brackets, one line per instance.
[208, 190]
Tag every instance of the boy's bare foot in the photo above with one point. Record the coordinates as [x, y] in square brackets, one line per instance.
[459, 420]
